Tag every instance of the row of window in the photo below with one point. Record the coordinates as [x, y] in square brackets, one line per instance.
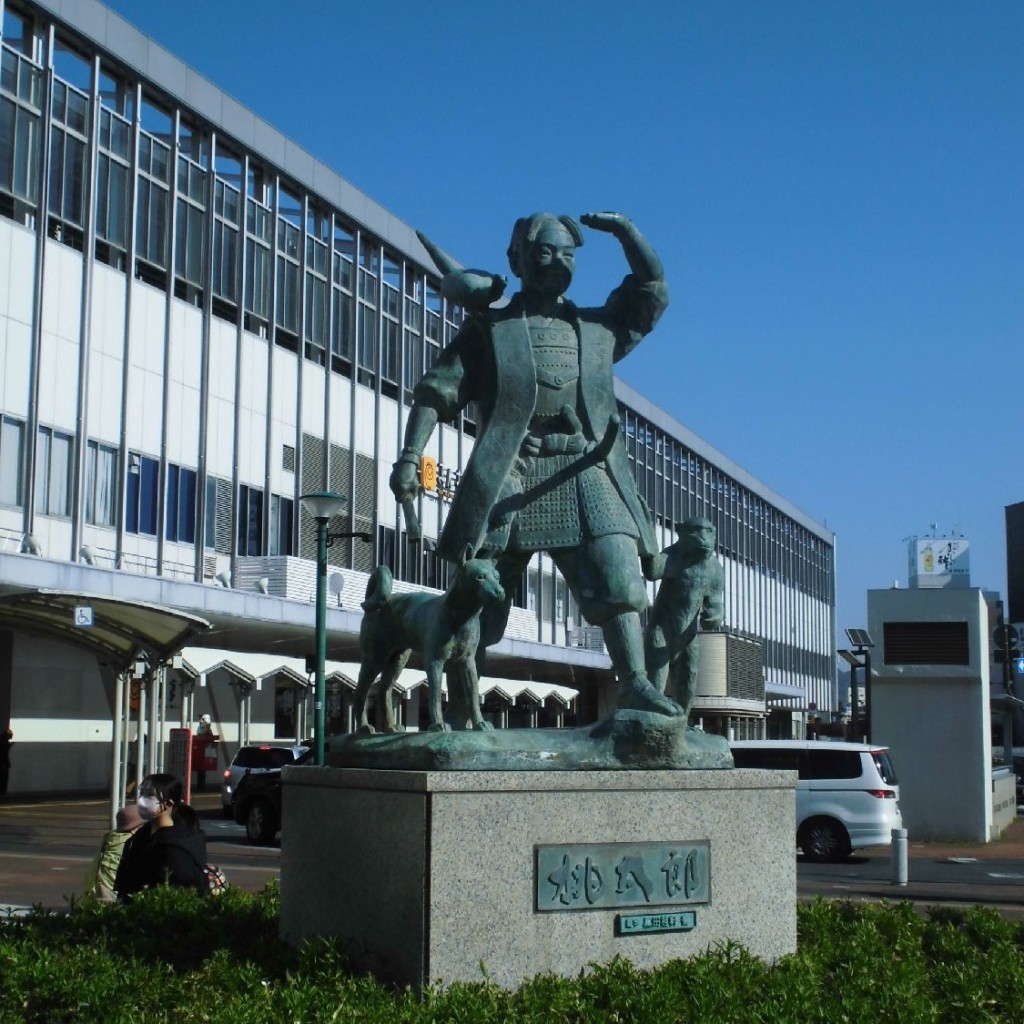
[677, 484]
[53, 493]
[287, 266]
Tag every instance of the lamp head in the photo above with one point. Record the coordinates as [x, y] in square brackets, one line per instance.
[323, 504]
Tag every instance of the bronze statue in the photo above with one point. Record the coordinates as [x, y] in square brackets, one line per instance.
[690, 594]
[549, 470]
[443, 629]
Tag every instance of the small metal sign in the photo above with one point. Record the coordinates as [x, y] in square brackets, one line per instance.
[646, 924]
[83, 616]
[628, 875]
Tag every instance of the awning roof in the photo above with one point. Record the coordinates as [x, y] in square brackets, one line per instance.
[513, 689]
[114, 629]
[252, 667]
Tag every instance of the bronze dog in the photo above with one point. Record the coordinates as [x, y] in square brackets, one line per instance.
[444, 629]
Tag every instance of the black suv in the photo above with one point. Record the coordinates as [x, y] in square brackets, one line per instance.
[255, 758]
[257, 801]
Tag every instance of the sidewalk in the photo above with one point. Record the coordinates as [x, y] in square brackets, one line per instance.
[1006, 898]
[1009, 846]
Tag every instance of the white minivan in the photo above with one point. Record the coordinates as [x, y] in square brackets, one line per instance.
[846, 795]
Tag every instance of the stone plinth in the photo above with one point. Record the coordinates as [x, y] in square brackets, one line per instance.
[423, 876]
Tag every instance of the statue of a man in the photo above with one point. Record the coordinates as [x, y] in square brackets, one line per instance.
[549, 470]
[690, 595]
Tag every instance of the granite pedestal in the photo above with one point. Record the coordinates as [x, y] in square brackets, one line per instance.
[425, 876]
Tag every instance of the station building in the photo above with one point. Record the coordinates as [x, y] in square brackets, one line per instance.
[200, 322]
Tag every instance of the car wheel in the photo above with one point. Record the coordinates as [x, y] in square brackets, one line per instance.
[260, 825]
[823, 839]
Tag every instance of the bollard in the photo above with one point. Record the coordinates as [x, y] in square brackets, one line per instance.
[899, 856]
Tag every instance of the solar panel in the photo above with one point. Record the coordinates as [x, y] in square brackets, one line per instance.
[859, 637]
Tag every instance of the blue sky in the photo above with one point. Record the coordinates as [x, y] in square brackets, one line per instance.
[835, 189]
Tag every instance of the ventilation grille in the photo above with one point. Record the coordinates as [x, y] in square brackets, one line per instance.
[338, 475]
[926, 643]
[364, 505]
[222, 517]
[288, 458]
[312, 477]
[745, 671]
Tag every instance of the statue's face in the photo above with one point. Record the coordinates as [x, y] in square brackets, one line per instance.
[547, 263]
[699, 537]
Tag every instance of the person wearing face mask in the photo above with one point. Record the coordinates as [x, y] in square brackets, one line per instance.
[169, 849]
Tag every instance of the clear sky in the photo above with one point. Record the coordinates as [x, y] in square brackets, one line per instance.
[835, 188]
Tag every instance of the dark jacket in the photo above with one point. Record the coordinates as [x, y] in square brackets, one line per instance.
[175, 855]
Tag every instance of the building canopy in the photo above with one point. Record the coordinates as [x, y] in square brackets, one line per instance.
[117, 631]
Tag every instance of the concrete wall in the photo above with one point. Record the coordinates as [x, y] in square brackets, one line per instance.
[61, 714]
[935, 718]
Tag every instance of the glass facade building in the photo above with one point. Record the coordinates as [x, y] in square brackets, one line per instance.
[202, 322]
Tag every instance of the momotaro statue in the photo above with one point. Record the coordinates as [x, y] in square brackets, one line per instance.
[691, 594]
[549, 470]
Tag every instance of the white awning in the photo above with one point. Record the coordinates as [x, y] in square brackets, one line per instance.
[348, 672]
[514, 689]
[253, 667]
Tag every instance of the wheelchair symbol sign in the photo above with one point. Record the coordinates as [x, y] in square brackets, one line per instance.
[83, 615]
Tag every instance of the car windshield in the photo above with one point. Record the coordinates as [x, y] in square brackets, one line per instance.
[884, 765]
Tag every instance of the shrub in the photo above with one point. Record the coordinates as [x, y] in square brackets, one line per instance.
[170, 956]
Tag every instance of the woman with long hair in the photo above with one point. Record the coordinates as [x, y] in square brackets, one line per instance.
[169, 849]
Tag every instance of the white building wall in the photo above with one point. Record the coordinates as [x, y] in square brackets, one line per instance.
[314, 390]
[366, 417]
[15, 362]
[185, 360]
[17, 259]
[106, 357]
[145, 402]
[285, 411]
[220, 440]
[61, 717]
[252, 411]
[935, 718]
[341, 411]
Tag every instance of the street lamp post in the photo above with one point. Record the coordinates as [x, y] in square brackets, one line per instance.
[323, 506]
[859, 658]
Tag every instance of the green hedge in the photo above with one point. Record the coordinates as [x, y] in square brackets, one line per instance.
[170, 956]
